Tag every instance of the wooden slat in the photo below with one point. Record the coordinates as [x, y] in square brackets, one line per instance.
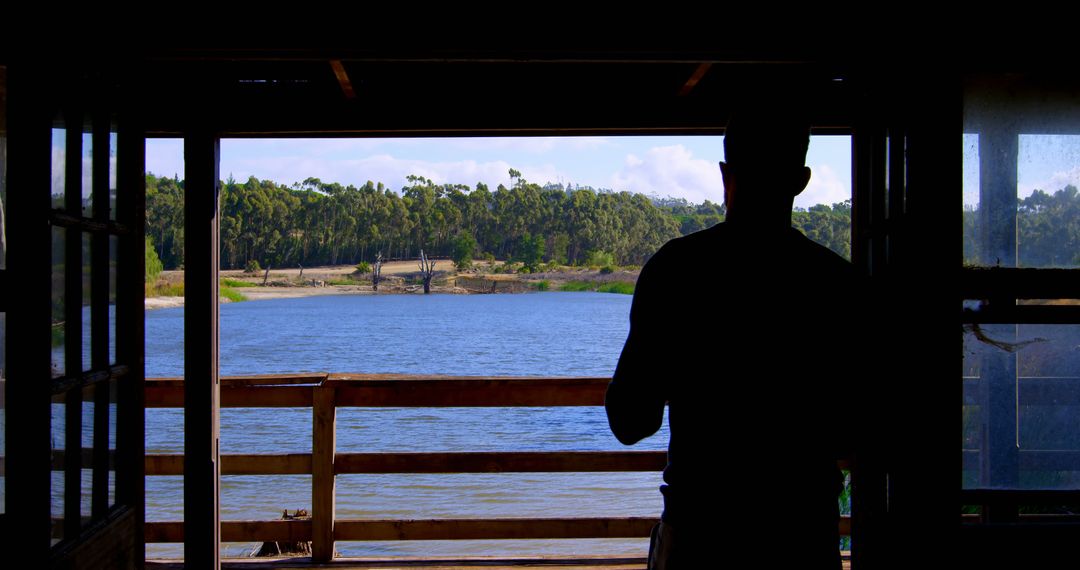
[312, 378]
[479, 529]
[356, 390]
[73, 327]
[88, 378]
[80, 224]
[1030, 314]
[1016, 283]
[59, 458]
[501, 462]
[99, 311]
[255, 464]
[324, 444]
[109, 542]
[236, 531]
[277, 397]
[699, 72]
[343, 79]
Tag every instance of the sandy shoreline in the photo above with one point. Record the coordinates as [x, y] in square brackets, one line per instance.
[285, 283]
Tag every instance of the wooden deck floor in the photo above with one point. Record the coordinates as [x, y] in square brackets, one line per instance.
[478, 563]
[474, 563]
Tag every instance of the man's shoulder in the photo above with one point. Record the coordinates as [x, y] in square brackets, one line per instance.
[693, 244]
[823, 257]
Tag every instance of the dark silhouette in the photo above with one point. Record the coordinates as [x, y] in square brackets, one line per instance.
[753, 365]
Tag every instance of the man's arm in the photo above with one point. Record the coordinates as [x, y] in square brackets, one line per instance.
[635, 399]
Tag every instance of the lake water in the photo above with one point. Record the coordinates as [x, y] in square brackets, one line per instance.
[541, 334]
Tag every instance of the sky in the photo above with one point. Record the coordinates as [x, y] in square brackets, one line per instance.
[681, 167]
[1044, 162]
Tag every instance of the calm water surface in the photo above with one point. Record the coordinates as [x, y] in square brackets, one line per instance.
[542, 334]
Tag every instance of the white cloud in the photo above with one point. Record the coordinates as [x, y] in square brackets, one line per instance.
[825, 187]
[671, 171]
[1058, 180]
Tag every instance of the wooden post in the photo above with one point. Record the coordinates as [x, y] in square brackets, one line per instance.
[28, 305]
[130, 335]
[324, 413]
[202, 528]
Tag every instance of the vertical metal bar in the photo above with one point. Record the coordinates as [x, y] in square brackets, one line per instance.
[73, 294]
[130, 342]
[99, 308]
[324, 434]
[28, 468]
[202, 529]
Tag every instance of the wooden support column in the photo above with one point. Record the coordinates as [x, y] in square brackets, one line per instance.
[28, 410]
[324, 434]
[130, 314]
[202, 529]
[99, 312]
[73, 324]
[921, 502]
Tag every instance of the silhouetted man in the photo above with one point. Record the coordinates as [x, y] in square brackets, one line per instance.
[744, 331]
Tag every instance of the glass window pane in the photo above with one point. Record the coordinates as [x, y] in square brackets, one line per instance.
[114, 256]
[59, 151]
[3, 168]
[56, 490]
[971, 197]
[1021, 411]
[112, 175]
[87, 444]
[1048, 173]
[87, 173]
[3, 411]
[59, 246]
[113, 386]
[86, 312]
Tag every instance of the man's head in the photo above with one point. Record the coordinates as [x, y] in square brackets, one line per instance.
[765, 163]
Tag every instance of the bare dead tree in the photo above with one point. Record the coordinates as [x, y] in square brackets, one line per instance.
[376, 272]
[266, 275]
[427, 271]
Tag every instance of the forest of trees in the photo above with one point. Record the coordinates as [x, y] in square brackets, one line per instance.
[317, 223]
[1047, 231]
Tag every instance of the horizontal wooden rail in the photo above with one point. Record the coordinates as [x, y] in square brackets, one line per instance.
[254, 464]
[501, 462]
[390, 390]
[237, 531]
[430, 529]
[325, 392]
[481, 529]
[458, 462]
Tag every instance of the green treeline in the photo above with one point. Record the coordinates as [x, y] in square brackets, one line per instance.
[316, 223]
[1047, 231]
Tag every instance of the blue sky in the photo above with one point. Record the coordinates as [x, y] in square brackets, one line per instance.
[1044, 162]
[684, 167]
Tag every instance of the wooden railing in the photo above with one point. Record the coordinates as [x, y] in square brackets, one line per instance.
[324, 393]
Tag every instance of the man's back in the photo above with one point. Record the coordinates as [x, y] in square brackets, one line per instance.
[746, 335]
